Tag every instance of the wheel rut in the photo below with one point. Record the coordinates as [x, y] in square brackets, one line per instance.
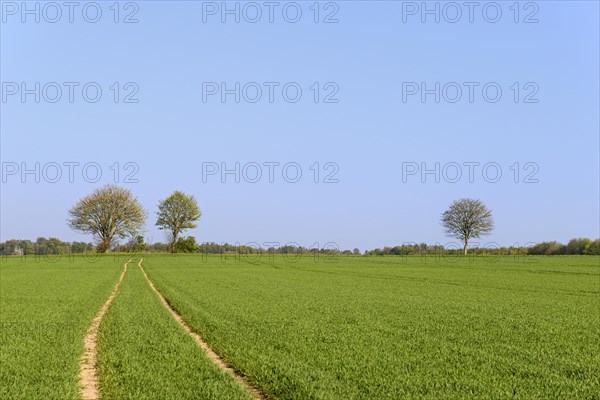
[212, 355]
[88, 375]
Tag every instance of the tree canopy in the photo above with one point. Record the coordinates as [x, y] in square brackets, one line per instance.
[108, 213]
[177, 213]
[466, 219]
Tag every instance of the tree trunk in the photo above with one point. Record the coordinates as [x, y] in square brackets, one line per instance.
[174, 242]
[466, 247]
[104, 244]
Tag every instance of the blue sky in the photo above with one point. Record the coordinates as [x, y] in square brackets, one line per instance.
[365, 122]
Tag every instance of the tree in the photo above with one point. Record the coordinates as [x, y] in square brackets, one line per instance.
[593, 248]
[578, 245]
[109, 213]
[548, 249]
[177, 213]
[466, 219]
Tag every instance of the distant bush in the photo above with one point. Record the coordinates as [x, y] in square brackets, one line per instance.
[186, 245]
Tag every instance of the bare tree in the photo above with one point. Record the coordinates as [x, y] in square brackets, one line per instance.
[466, 219]
[177, 213]
[109, 213]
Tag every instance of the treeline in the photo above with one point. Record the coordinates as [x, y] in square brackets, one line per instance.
[578, 246]
[189, 245]
[44, 246]
[583, 246]
[183, 245]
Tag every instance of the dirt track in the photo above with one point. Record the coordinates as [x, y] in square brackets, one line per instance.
[88, 377]
[215, 358]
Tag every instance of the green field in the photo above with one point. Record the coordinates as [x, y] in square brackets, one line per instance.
[46, 306]
[334, 328]
[144, 354]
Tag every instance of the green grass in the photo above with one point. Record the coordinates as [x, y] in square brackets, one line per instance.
[361, 327]
[392, 327]
[45, 309]
[143, 353]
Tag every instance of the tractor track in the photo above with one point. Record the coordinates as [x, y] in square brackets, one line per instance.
[212, 355]
[88, 376]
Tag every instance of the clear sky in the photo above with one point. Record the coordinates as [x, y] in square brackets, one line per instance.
[367, 125]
